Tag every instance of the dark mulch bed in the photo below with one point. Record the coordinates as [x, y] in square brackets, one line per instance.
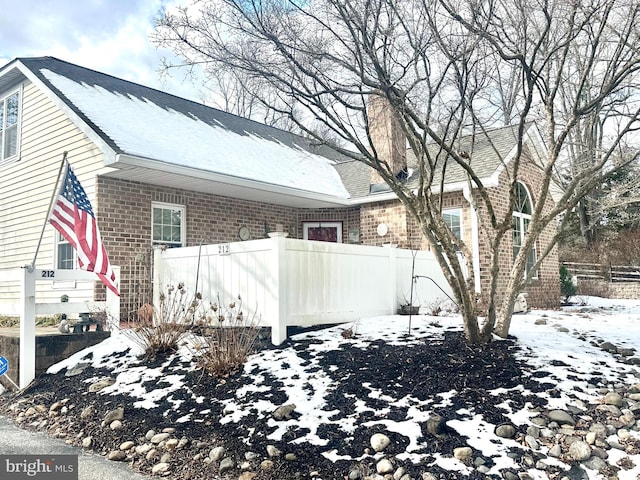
[421, 370]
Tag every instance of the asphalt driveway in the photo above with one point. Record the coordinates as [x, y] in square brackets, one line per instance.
[13, 440]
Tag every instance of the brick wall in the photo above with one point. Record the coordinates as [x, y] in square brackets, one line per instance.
[124, 216]
[545, 290]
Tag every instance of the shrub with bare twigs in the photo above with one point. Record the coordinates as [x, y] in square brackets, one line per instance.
[227, 339]
[170, 322]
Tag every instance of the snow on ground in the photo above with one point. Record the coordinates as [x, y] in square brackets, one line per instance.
[569, 337]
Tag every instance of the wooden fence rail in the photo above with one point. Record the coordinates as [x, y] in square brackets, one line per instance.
[610, 273]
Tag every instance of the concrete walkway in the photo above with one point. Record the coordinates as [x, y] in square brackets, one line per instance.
[14, 440]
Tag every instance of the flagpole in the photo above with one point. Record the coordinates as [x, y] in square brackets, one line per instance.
[53, 196]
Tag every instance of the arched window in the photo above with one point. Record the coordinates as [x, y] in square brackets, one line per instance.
[522, 210]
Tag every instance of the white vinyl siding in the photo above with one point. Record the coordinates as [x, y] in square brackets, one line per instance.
[26, 187]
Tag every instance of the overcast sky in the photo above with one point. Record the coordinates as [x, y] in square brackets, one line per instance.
[111, 36]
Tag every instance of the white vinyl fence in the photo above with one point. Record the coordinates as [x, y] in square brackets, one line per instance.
[30, 303]
[289, 282]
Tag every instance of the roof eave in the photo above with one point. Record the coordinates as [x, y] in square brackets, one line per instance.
[109, 154]
[228, 180]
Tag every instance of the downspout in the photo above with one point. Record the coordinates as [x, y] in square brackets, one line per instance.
[475, 239]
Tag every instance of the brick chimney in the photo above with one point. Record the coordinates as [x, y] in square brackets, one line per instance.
[387, 137]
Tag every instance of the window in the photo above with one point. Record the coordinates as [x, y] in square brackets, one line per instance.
[65, 259]
[453, 218]
[167, 225]
[522, 211]
[322, 231]
[9, 110]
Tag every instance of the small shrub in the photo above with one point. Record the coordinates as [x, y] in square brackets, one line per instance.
[227, 340]
[567, 287]
[170, 324]
[440, 306]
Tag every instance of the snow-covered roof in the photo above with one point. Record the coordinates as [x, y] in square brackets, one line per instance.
[161, 131]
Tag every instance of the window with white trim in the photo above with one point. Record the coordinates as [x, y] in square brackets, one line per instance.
[9, 122]
[168, 224]
[322, 231]
[453, 218]
[65, 257]
[522, 210]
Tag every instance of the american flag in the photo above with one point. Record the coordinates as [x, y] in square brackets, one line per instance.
[73, 217]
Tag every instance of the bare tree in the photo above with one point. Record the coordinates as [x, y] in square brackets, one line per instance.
[441, 66]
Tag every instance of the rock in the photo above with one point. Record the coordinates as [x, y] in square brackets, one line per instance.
[30, 412]
[435, 424]
[151, 453]
[555, 451]
[591, 437]
[290, 457]
[251, 456]
[86, 442]
[599, 429]
[115, 425]
[540, 421]
[625, 352]
[355, 474]
[77, 370]
[226, 464]
[608, 347]
[127, 445]
[87, 412]
[267, 465]
[166, 458]
[113, 415]
[160, 437]
[184, 441]
[614, 398]
[379, 441]
[160, 468]
[247, 476]
[533, 431]
[273, 451]
[597, 464]
[149, 434]
[531, 442]
[101, 384]
[171, 444]
[384, 466]
[399, 473]
[143, 449]
[562, 417]
[283, 412]
[462, 453]
[579, 451]
[506, 430]
[116, 455]
[217, 453]
[170, 430]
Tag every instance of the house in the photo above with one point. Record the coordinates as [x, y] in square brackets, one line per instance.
[162, 170]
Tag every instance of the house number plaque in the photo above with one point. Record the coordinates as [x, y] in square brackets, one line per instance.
[223, 249]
